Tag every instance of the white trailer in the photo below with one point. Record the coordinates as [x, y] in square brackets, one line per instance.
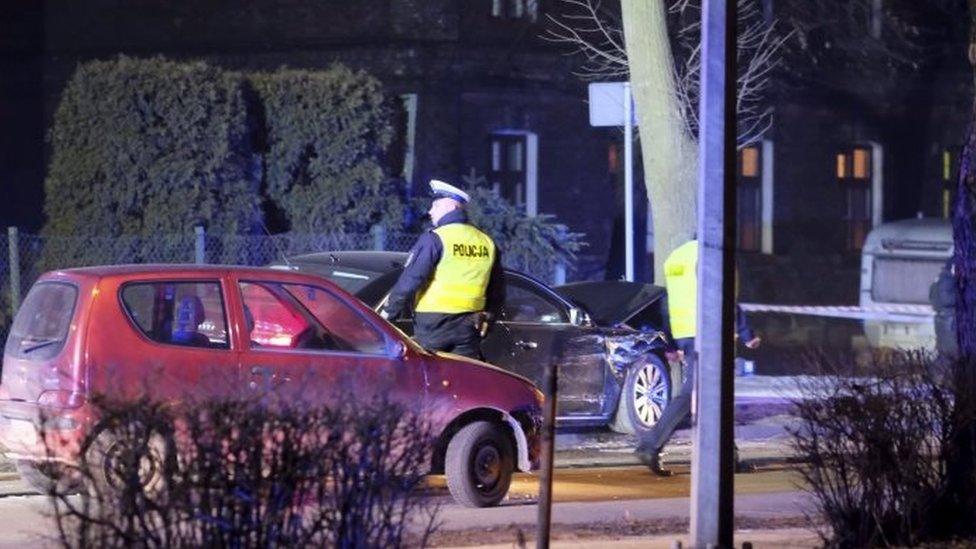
[900, 260]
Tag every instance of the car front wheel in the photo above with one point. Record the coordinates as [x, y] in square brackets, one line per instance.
[479, 464]
[645, 394]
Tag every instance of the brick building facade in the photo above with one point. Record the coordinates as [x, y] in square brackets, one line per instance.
[856, 140]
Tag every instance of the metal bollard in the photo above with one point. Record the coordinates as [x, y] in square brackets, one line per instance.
[548, 446]
[201, 245]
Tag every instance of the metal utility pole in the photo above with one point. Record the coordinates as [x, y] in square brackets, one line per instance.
[628, 184]
[713, 461]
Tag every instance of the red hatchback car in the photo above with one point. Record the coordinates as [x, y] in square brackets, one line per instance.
[174, 332]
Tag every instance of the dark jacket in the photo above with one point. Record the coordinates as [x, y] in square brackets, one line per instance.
[419, 269]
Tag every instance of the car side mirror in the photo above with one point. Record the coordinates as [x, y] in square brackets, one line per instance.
[579, 317]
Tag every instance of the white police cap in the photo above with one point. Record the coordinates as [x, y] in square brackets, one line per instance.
[440, 189]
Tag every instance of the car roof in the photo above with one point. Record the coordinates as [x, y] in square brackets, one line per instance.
[375, 261]
[103, 271]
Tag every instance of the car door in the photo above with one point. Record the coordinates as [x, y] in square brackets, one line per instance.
[534, 331]
[306, 342]
[178, 347]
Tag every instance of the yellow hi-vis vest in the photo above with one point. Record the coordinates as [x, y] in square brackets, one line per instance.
[461, 276]
[681, 281]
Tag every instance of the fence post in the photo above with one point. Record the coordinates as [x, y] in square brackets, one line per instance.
[13, 246]
[201, 244]
[379, 237]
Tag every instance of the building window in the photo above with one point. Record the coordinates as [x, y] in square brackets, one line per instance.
[508, 167]
[877, 19]
[855, 175]
[767, 11]
[515, 9]
[750, 199]
[614, 158]
[950, 172]
[513, 168]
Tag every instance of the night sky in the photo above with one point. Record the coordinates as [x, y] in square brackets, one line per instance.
[21, 113]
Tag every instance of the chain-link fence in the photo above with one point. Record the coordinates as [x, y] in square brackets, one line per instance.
[24, 257]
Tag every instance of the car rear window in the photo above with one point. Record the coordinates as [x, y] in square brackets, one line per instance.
[42, 322]
[178, 313]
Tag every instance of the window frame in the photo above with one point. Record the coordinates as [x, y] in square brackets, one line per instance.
[857, 225]
[749, 184]
[52, 353]
[228, 346]
[521, 280]
[388, 344]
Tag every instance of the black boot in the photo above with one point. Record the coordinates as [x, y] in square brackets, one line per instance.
[652, 458]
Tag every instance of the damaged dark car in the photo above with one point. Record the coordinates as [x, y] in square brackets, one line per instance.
[605, 337]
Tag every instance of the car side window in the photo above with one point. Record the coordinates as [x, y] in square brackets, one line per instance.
[178, 313]
[271, 321]
[343, 325]
[524, 305]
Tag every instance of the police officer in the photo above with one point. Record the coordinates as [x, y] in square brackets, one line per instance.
[681, 283]
[452, 279]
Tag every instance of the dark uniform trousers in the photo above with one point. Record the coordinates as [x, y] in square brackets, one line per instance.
[453, 333]
[680, 406]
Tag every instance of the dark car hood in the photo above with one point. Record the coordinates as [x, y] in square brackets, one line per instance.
[617, 302]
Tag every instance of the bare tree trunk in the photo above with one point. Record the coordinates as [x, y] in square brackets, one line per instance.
[961, 462]
[668, 149]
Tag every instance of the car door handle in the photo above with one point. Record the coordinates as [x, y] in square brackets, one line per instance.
[526, 345]
[271, 378]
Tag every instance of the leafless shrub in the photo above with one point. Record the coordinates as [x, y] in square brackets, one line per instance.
[878, 444]
[248, 473]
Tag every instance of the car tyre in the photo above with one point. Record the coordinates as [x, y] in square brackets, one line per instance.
[479, 464]
[106, 463]
[645, 394]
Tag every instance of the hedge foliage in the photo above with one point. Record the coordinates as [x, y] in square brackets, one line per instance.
[327, 135]
[144, 148]
[148, 147]
[527, 242]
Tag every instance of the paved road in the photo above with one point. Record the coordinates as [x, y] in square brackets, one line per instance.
[597, 479]
[582, 496]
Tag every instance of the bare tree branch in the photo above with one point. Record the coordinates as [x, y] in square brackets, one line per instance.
[595, 32]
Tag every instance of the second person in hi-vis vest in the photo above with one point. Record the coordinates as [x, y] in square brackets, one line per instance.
[452, 279]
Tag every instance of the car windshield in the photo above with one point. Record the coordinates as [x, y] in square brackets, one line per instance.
[42, 323]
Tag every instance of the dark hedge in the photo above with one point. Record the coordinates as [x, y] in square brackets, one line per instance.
[327, 136]
[149, 147]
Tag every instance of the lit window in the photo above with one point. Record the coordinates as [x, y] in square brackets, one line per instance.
[854, 164]
[613, 158]
[508, 167]
[950, 170]
[862, 164]
[750, 162]
[749, 200]
[854, 172]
